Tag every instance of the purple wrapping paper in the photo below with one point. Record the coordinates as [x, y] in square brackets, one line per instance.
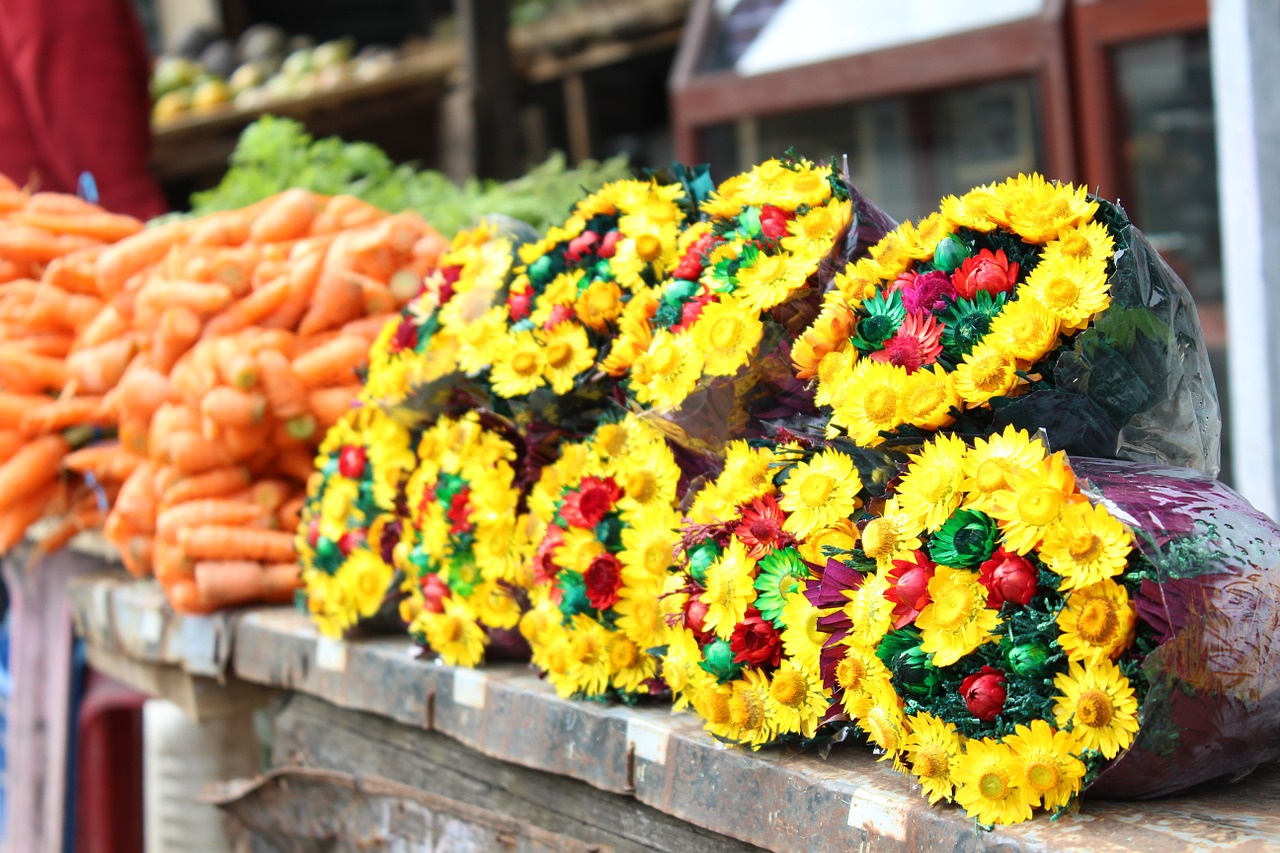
[1213, 708]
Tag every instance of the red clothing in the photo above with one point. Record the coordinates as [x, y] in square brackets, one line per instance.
[74, 98]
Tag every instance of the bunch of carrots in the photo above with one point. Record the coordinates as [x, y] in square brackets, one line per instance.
[217, 351]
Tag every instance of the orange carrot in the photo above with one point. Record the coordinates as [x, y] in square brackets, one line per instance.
[60, 203]
[211, 484]
[288, 217]
[177, 331]
[15, 520]
[192, 454]
[230, 407]
[35, 245]
[30, 469]
[244, 442]
[98, 369]
[285, 392]
[132, 431]
[289, 515]
[67, 412]
[56, 344]
[100, 225]
[222, 542]
[279, 582]
[142, 389]
[108, 324]
[249, 309]
[14, 406]
[171, 563]
[11, 441]
[204, 298]
[224, 583]
[108, 461]
[328, 405]
[338, 298]
[369, 327]
[304, 275]
[186, 598]
[122, 260]
[136, 502]
[168, 420]
[205, 511]
[297, 464]
[30, 369]
[333, 363]
[270, 494]
[74, 272]
[234, 361]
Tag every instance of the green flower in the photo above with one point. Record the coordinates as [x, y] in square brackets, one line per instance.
[1027, 659]
[717, 659]
[700, 557]
[967, 321]
[912, 671]
[542, 271]
[885, 314]
[573, 598]
[462, 574]
[780, 575]
[965, 540]
[949, 253]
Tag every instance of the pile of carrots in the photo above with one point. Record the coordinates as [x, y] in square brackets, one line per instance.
[170, 384]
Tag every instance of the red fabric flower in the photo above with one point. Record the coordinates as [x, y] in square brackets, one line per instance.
[916, 344]
[690, 268]
[559, 313]
[609, 245]
[909, 590]
[755, 642]
[544, 559]
[1008, 577]
[351, 461]
[984, 693]
[518, 305]
[459, 511]
[405, 336]
[985, 271]
[579, 246]
[434, 592]
[586, 507]
[695, 616]
[926, 292]
[351, 540]
[761, 527]
[691, 311]
[603, 580]
[773, 222]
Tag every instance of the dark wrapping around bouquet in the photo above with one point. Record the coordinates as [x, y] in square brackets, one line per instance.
[1213, 708]
[1137, 384]
[766, 395]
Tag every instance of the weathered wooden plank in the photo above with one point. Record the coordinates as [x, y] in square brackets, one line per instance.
[311, 733]
[200, 698]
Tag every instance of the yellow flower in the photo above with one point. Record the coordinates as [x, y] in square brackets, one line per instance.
[1039, 210]
[1046, 765]
[1072, 290]
[517, 365]
[932, 487]
[873, 402]
[452, 634]
[859, 280]
[1035, 501]
[629, 666]
[589, 660]
[827, 333]
[640, 614]
[805, 186]
[933, 748]
[495, 606]
[1026, 330]
[796, 699]
[336, 506]
[814, 233]
[892, 255]
[599, 304]
[648, 543]
[553, 655]
[1087, 545]
[680, 668]
[772, 279]
[879, 714]
[988, 784]
[860, 673]
[748, 709]
[891, 536]
[978, 209]
[579, 549]
[728, 335]
[820, 492]
[870, 611]
[668, 371]
[986, 372]
[842, 535]
[567, 353]
[990, 461]
[1098, 705]
[1097, 623]
[801, 638]
[957, 620]
[502, 549]
[710, 701]
[929, 397]
[729, 588]
[634, 334]
[747, 472]
[648, 476]
[1089, 242]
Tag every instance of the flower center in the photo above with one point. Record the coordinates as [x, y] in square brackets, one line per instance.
[881, 405]
[559, 354]
[989, 373]
[993, 785]
[715, 706]
[815, 490]
[932, 762]
[1039, 506]
[370, 583]
[879, 538]
[1098, 621]
[953, 608]
[725, 332]
[640, 486]
[1093, 709]
[1075, 245]
[807, 183]
[746, 710]
[1061, 292]
[935, 486]
[1043, 775]
[447, 629]
[665, 360]
[991, 475]
[624, 654]
[657, 556]
[648, 246]
[524, 363]
[788, 688]
[1084, 546]
[926, 397]
[850, 672]
[585, 648]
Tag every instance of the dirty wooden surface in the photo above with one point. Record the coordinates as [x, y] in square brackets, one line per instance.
[385, 711]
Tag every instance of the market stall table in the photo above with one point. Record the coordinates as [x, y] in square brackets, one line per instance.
[410, 747]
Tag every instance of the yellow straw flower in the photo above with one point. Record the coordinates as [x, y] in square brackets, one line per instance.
[932, 748]
[796, 699]
[1035, 501]
[931, 489]
[988, 784]
[1026, 330]
[728, 335]
[990, 461]
[567, 353]
[820, 492]
[1098, 705]
[517, 366]
[1046, 764]
[729, 588]
[1097, 623]
[453, 634]
[986, 372]
[1072, 290]
[957, 620]
[873, 402]
[1086, 546]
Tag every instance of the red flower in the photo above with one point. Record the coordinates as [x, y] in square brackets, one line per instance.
[916, 344]
[761, 527]
[985, 271]
[926, 292]
[544, 559]
[460, 510]
[434, 592]
[1008, 577]
[580, 246]
[405, 336]
[587, 506]
[351, 540]
[690, 268]
[691, 311]
[603, 579]
[773, 222]
[518, 305]
[755, 642]
[559, 313]
[910, 587]
[609, 246]
[695, 616]
[351, 461]
[984, 693]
